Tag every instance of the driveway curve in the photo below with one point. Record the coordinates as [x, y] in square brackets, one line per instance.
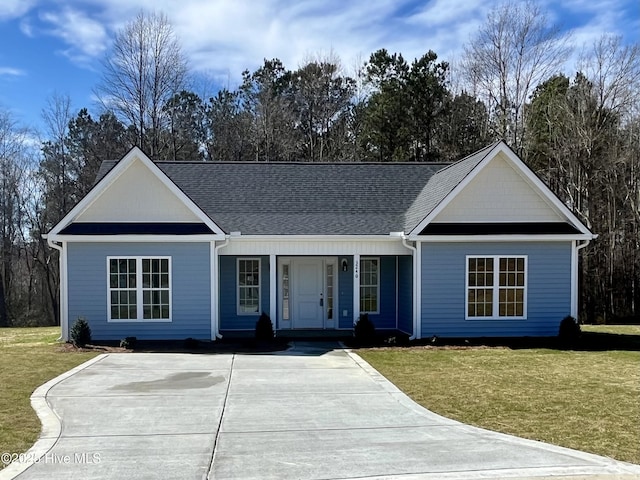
[312, 412]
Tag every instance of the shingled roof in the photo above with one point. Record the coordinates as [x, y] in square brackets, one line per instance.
[316, 198]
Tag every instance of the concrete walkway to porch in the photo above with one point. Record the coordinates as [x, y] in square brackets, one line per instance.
[312, 412]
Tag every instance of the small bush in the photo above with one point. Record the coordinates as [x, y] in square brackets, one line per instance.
[191, 343]
[80, 333]
[128, 342]
[364, 330]
[569, 332]
[264, 328]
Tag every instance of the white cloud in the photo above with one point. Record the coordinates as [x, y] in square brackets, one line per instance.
[14, 8]
[11, 72]
[222, 37]
[26, 27]
[87, 38]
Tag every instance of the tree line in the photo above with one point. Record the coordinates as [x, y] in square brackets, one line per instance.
[579, 133]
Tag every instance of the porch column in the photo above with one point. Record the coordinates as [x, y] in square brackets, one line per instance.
[64, 293]
[418, 279]
[356, 287]
[273, 288]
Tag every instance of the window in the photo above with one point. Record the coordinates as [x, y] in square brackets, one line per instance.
[122, 286]
[285, 291]
[496, 287]
[369, 285]
[330, 275]
[248, 286]
[139, 289]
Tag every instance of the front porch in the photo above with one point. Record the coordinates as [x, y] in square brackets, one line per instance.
[315, 296]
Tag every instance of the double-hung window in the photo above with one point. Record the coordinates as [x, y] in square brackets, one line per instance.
[370, 285]
[248, 286]
[139, 288]
[496, 287]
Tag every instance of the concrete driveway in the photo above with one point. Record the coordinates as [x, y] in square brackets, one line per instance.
[310, 413]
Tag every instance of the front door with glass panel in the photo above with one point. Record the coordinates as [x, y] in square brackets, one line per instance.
[306, 292]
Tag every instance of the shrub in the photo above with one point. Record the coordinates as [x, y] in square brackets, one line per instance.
[128, 342]
[80, 332]
[569, 332]
[364, 330]
[191, 343]
[264, 328]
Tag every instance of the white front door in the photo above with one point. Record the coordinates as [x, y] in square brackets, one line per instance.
[308, 293]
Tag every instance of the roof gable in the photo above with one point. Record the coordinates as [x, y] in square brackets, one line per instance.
[137, 195]
[440, 186]
[499, 193]
[135, 190]
[477, 190]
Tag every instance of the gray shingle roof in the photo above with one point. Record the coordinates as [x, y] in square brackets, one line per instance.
[302, 198]
[316, 198]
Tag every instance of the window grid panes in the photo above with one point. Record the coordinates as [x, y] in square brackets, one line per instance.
[496, 286]
[285, 292]
[329, 291]
[369, 285]
[155, 288]
[511, 292]
[248, 285]
[480, 293]
[139, 289]
[122, 285]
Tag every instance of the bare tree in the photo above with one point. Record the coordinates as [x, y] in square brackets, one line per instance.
[145, 68]
[13, 141]
[512, 52]
[583, 137]
[263, 96]
[56, 161]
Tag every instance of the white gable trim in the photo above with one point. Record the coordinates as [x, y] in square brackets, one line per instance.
[527, 175]
[134, 154]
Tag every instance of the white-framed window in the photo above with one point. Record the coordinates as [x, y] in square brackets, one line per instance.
[139, 289]
[496, 287]
[248, 286]
[370, 285]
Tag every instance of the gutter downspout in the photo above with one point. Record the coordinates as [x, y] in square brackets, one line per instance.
[216, 289]
[575, 253]
[414, 285]
[586, 242]
[62, 288]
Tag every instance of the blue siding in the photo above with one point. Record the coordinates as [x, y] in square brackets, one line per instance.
[386, 319]
[229, 318]
[444, 289]
[345, 295]
[405, 294]
[190, 295]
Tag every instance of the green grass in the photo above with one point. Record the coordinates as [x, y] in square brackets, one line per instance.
[29, 357]
[614, 329]
[587, 400]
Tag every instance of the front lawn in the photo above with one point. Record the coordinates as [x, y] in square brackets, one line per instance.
[587, 400]
[613, 329]
[28, 358]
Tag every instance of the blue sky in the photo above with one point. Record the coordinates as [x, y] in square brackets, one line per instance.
[49, 46]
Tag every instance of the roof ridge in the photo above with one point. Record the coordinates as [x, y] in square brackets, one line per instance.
[232, 162]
